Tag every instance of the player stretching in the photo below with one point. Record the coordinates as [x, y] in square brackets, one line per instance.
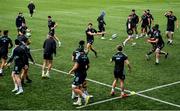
[80, 69]
[5, 41]
[18, 57]
[171, 19]
[52, 26]
[101, 23]
[129, 25]
[90, 33]
[120, 59]
[159, 43]
[135, 20]
[49, 47]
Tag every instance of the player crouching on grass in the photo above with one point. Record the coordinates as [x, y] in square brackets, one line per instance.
[129, 25]
[80, 69]
[49, 47]
[120, 59]
[159, 43]
[19, 62]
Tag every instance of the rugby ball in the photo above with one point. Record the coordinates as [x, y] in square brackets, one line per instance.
[114, 36]
[28, 34]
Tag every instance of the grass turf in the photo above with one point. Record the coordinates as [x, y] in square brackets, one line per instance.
[72, 17]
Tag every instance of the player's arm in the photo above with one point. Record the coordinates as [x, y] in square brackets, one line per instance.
[54, 47]
[10, 59]
[11, 44]
[152, 19]
[55, 25]
[166, 14]
[128, 64]
[177, 24]
[152, 41]
[149, 21]
[76, 65]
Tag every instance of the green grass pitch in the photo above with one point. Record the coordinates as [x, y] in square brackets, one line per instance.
[72, 17]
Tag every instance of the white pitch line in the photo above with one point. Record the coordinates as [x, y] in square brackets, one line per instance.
[98, 102]
[161, 101]
[33, 50]
[158, 87]
[152, 98]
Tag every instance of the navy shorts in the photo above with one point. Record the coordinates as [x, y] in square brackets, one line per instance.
[79, 78]
[48, 56]
[119, 74]
[90, 41]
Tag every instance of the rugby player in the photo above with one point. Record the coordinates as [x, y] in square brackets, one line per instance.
[24, 45]
[19, 20]
[31, 8]
[49, 47]
[135, 21]
[119, 74]
[80, 69]
[75, 56]
[159, 43]
[171, 19]
[151, 19]
[144, 24]
[101, 23]
[90, 33]
[5, 44]
[19, 60]
[129, 27]
[52, 26]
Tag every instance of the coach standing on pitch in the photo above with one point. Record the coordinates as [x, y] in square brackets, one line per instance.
[31, 8]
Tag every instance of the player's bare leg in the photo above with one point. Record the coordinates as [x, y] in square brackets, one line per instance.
[2, 65]
[43, 68]
[57, 39]
[113, 87]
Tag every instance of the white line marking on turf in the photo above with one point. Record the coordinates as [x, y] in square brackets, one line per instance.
[158, 87]
[33, 50]
[161, 101]
[98, 102]
[152, 98]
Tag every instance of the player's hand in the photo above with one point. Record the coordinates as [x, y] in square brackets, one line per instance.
[7, 64]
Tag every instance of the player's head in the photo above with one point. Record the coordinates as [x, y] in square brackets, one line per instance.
[17, 42]
[133, 11]
[5, 32]
[20, 13]
[31, 1]
[171, 12]
[148, 11]
[145, 12]
[119, 48]
[49, 17]
[156, 26]
[130, 17]
[81, 42]
[90, 25]
[23, 24]
[50, 34]
[103, 13]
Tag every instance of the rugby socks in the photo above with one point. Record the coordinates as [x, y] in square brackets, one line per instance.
[157, 60]
[112, 90]
[86, 92]
[1, 71]
[79, 98]
[15, 86]
[84, 95]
